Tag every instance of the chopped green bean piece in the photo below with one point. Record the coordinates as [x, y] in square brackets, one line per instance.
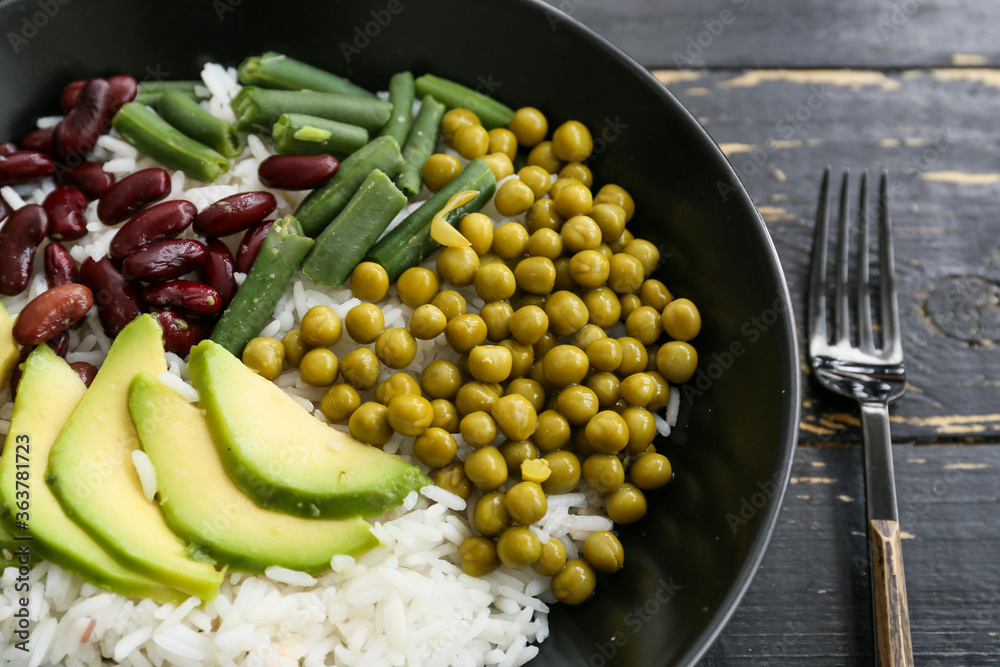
[251, 307]
[410, 243]
[420, 143]
[260, 108]
[455, 95]
[189, 117]
[325, 202]
[401, 97]
[312, 135]
[346, 240]
[169, 146]
[274, 70]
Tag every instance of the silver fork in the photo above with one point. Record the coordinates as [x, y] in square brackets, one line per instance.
[874, 376]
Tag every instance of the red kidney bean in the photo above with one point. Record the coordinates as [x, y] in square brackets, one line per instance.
[51, 312]
[191, 297]
[89, 118]
[297, 172]
[39, 140]
[123, 89]
[5, 209]
[250, 245]
[70, 94]
[19, 238]
[6, 148]
[86, 371]
[60, 269]
[118, 300]
[234, 213]
[218, 270]
[179, 332]
[165, 260]
[65, 208]
[157, 223]
[67, 196]
[59, 343]
[88, 177]
[25, 167]
[132, 194]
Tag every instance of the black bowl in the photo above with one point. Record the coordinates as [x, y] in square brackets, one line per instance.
[690, 560]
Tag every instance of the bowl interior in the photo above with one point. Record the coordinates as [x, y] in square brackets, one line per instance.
[690, 559]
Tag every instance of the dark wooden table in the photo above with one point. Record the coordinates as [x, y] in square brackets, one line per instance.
[912, 86]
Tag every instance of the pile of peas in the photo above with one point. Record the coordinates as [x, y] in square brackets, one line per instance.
[537, 367]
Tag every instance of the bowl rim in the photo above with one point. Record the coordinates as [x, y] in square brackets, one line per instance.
[789, 426]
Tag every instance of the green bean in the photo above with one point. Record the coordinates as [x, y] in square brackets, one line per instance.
[251, 307]
[410, 243]
[274, 70]
[312, 135]
[260, 108]
[170, 147]
[324, 203]
[150, 92]
[420, 143]
[491, 113]
[189, 117]
[346, 240]
[401, 98]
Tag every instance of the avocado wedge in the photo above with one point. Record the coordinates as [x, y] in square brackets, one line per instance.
[282, 456]
[9, 351]
[91, 471]
[203, 505]
[46, 397]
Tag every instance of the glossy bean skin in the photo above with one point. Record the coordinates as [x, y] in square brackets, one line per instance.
[124, 88]
[90, 117]
[19, 238]
[218, 269]
[65, 207]
[118, 300]
[250, 245]
[25, 167]
[6, 148]
[234, 214]
[165, 260]
[86, 371]
[52, 312]
[39, 140]
[5, 209]
[89, 178]
[60, 269]
[70, 93]
[188, 296]
[180, 332]
[297, 172]
[157, 223]
[132, 194]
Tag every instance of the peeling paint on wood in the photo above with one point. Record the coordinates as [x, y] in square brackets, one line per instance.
[960, 177]
[829, 77]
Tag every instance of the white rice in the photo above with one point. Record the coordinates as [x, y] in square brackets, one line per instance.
[406, 602]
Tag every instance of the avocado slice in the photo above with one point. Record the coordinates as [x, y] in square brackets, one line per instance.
[9, 350]
[203, 505]
[282, 456]
[49, 392]
[91, 471]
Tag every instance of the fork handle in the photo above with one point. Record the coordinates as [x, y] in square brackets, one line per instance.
[892, 619]
[890, 614]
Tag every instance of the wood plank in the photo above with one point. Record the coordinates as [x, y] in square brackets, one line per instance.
[810, 599]
[747, 33]
[934, 130]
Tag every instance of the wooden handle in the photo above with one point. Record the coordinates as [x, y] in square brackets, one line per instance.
[892, 620]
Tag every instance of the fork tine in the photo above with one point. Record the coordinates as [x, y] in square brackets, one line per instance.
[892, 343]
[843, 253]
[817, 291]
[865, 338]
